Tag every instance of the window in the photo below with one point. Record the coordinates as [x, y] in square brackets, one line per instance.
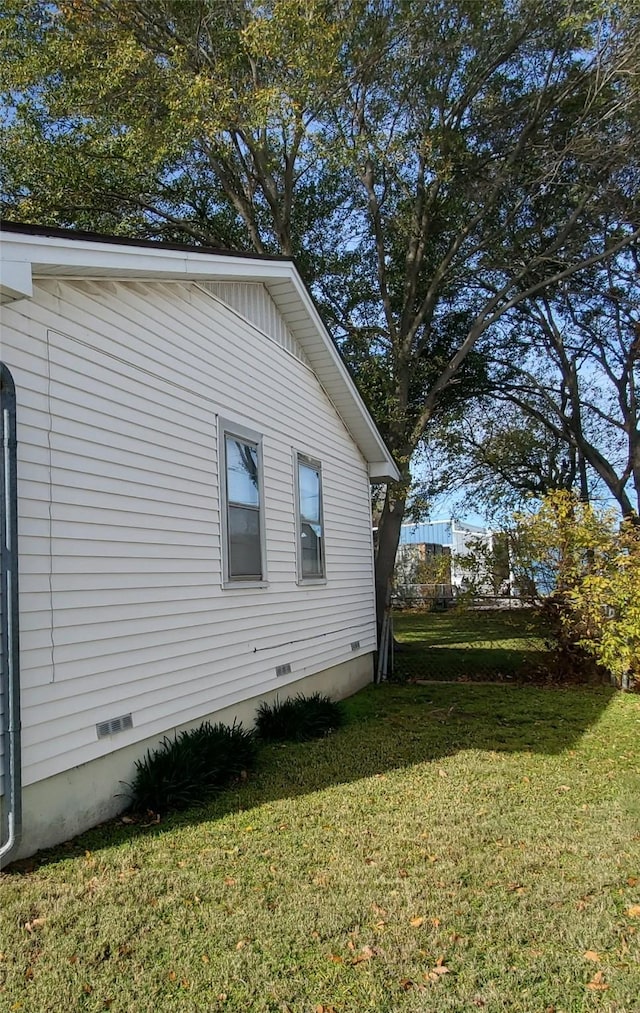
[310, 525]
[242, 505]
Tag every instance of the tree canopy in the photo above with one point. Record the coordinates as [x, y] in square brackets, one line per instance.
[431, 164]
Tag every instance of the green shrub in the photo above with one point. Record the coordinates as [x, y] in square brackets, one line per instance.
[585, 567]
[298, 718]
[187, 769]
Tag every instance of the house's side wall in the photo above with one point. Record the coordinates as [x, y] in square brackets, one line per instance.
[119, 387]
[65, 804]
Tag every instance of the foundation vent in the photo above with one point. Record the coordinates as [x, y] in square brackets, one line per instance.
[355, 645]
[115, 725]
[283, 669]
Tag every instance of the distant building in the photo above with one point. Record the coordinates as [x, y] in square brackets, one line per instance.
[430, 560]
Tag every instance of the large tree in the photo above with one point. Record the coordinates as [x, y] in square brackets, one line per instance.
[431, 163]
[578, 379]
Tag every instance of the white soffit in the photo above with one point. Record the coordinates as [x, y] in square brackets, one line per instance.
[25, 254]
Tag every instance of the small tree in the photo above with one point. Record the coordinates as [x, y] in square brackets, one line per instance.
[584, 569]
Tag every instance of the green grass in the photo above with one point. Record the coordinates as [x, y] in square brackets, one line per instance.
[467, 644]
[491, 830]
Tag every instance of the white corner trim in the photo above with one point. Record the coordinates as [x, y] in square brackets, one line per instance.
[16, 281]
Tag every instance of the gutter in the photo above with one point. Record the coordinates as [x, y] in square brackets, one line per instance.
[9, 627]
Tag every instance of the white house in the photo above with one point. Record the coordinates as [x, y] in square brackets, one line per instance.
[192, 499]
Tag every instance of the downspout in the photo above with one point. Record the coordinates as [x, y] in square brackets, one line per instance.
[9, 628]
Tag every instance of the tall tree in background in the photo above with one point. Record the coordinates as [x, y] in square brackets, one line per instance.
[494, 459]
[432, 164]
[590, 341]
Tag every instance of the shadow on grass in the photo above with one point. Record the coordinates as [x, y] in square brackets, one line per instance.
[389, 727]
[471, 645]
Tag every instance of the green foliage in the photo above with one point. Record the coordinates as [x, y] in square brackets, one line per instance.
[584, 567]
[605, 608]
[185, 770]
[299, 718]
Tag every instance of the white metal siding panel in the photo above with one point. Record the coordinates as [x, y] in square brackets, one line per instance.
[119, 388]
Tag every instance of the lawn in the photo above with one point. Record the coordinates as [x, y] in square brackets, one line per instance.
[454, 848]
[469, 644]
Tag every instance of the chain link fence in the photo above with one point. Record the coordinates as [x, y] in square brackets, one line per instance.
[434, 637]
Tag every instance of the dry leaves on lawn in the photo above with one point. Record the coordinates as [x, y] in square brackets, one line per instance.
[597, 983]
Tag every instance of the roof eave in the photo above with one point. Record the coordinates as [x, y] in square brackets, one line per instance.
[52, 253]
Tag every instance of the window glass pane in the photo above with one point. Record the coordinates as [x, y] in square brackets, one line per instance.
[311, 539]
[245, 558]
[242, 472]
[310, 520]
[309, 483]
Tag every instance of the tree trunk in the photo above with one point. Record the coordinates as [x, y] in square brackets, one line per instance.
[387, 542]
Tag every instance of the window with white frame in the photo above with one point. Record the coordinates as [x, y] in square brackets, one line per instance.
[243, 526]
[310, 524]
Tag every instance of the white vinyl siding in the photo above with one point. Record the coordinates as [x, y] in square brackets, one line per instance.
[120, 387]
[254, 303]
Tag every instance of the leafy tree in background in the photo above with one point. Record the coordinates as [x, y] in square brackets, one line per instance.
[589, 339]
[563, 410]
[431, 164]
[496, 458]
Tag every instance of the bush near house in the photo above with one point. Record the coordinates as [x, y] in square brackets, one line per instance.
[299, 718]
[187, 769]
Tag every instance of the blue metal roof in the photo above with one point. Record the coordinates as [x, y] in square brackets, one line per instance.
[434, 533]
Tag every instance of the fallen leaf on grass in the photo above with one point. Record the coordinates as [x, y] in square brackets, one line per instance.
[336, 959]
[591, 955]
[406, 984]
[597, 983]
[442, 773]
[229, 881]
[633, 911]
[366, 953]
[34, 924]
[438, 971]
[416, 922]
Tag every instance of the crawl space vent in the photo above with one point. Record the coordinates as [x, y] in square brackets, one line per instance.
[115, 725]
